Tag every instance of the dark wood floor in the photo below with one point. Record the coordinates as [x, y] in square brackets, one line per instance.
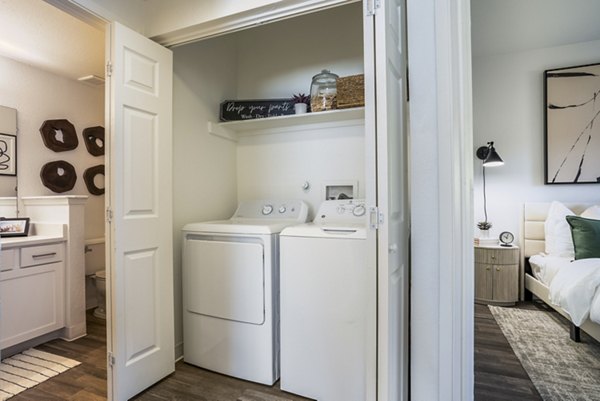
[498, 373]
[87, 382]
[84, 382]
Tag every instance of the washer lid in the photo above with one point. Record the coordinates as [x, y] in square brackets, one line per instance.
[239, 226]
[312, 230]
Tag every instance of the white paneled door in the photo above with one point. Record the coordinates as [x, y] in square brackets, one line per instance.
[385, 29]
[139, 213]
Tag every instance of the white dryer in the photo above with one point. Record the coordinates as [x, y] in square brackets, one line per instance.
[328, 306]
[231, 290]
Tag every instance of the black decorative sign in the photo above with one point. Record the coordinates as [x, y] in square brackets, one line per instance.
[235, 110]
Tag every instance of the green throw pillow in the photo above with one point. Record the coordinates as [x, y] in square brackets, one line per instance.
[586, 237]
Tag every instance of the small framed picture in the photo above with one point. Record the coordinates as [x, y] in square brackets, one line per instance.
[8, 154]
[14, 227]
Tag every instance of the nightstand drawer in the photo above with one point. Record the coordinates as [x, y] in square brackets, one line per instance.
[497, 256]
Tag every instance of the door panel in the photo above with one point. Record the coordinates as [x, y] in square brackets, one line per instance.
[140, 272]
[392, 200]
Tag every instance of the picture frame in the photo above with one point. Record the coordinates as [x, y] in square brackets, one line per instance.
[572, 125]
[8, 154]
[14, 227]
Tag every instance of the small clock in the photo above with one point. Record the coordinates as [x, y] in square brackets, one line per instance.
[506, 238]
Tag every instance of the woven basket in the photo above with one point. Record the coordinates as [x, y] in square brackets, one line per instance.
[351, 91]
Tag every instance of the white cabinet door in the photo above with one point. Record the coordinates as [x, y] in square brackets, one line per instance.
[139, 107]
[386, 116]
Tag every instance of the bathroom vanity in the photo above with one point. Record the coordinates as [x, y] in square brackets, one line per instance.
[32, 285]
[42, 276]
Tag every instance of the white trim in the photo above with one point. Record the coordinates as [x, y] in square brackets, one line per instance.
[441, 158]
[244, 20]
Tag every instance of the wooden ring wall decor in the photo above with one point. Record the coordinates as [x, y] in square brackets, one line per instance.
[88, 178]
[59, 135]
[93, 137]
[59, 176]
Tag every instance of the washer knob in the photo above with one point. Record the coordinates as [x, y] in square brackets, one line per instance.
[282, 209]
[359, 210]
[267, 209]
[341, 209]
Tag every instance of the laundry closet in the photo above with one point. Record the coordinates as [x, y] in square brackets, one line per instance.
[215, 165]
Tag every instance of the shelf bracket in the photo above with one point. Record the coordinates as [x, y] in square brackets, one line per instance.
[216, 130]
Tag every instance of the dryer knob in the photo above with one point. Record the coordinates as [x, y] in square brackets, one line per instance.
[267, 209]
[282, 209]
[359, 210]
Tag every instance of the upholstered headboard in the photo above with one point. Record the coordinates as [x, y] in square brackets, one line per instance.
[532, 228]
[532, 238]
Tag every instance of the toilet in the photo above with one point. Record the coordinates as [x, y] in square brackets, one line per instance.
[95, 274]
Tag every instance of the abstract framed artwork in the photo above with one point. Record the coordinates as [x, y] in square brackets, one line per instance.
[572, 125]
[8, 154]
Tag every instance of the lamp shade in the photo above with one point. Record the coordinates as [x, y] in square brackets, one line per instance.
[490, 157]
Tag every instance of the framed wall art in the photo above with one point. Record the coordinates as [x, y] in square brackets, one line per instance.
[8, 154]
[572, 125]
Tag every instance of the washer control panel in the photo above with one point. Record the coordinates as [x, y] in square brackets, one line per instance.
[341, 211]
[293, 209]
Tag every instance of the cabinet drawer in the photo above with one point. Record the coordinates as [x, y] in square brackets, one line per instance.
[9, 259]
[497, 256]
[39, 255]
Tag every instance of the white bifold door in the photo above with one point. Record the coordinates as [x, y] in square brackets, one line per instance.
[386, 98]
[139, 212]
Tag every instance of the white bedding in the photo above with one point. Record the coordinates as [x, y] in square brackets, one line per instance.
[574, 285]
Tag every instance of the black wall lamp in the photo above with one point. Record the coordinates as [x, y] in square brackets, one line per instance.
[490, 158]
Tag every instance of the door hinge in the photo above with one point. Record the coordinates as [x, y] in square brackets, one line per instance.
[375, 218]
[111, 359]
[372, 6]
[109, 214]
[109, 69]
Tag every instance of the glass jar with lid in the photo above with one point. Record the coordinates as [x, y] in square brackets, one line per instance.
[323, 91]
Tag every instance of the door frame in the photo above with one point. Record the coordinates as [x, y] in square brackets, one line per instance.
[440, 116]
[442, 318]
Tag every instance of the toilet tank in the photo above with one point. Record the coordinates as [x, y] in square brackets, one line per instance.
[94, 255]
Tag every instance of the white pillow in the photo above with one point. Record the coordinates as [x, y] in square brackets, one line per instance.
[592, 212]
[558, 233]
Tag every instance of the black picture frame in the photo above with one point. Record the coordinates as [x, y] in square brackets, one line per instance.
[14, 227]
[236, 110]
[8, 155]
[572, 125]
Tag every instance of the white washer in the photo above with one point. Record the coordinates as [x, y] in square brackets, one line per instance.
[327, 306]
[231, 290]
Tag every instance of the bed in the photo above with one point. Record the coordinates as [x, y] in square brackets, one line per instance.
[539, 283]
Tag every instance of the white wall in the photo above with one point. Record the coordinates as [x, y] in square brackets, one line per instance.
[508, 109]
[38, 96]
[204, 166]
[277, 165]
[280, 59]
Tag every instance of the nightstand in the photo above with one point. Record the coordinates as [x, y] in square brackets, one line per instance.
[496, 275]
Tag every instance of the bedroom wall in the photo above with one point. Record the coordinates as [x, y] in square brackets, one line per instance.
[38, 96]
[508, 98]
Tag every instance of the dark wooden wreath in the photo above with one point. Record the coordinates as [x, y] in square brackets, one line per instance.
[59, 176]
[88, 178]
[59, 135]
[93, 137]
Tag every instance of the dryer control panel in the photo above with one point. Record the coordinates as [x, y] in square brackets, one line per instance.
[293, 209]
[343, 211]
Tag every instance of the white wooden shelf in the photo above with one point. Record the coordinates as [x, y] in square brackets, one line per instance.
[233, 130]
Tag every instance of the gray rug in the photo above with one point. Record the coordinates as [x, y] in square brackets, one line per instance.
[560, 369]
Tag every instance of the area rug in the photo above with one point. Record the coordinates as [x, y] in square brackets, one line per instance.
[253, 395]
[28, 369]
[560, 368]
